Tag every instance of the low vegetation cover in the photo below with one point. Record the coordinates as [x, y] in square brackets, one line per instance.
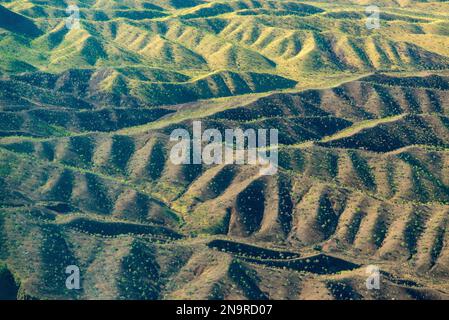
[92, 207]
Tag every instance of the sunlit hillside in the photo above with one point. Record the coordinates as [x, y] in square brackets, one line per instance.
[85, 176]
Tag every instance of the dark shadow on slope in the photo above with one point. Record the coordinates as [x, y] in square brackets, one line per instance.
[17, 23]
[246, 250]
[319, 264]
[8, 285]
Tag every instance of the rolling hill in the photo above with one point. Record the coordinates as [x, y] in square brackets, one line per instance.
[85, 176]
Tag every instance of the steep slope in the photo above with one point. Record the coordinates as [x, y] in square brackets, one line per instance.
[86, 177]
